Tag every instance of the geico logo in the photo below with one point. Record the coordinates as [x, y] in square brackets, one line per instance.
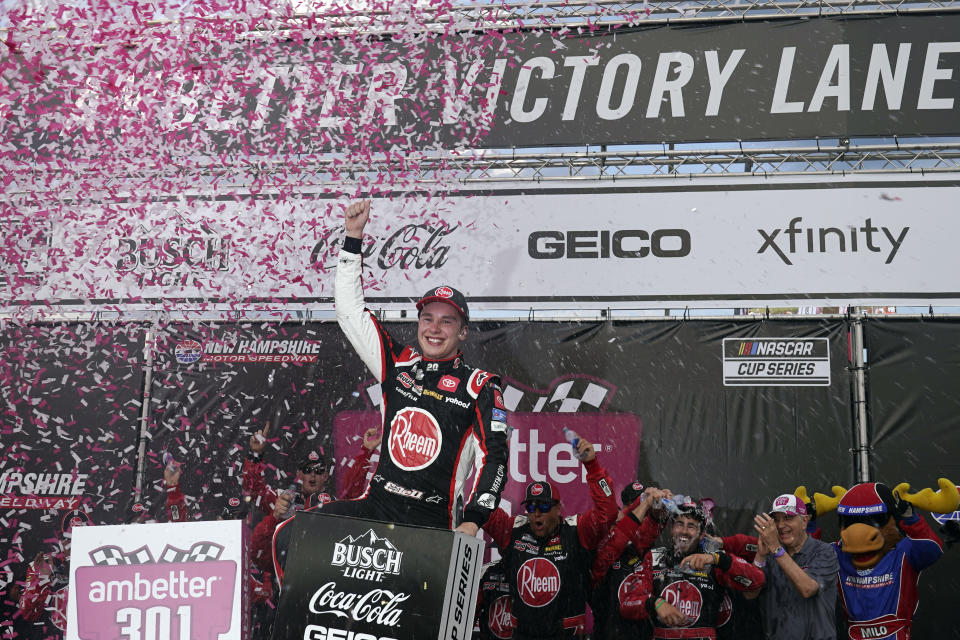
[387, 560]
[316, 632]
[175, 585]
[625, 243]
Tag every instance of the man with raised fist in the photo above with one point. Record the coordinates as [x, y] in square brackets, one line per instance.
[441, 417]
[548, 558]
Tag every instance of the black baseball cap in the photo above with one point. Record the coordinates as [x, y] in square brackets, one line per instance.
[541, 492]
[451, 296]
[314, 461]
[630, 493]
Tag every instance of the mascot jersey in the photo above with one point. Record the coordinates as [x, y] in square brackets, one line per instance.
[880, 601]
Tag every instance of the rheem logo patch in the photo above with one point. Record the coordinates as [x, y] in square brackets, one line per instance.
[415, 439]
[686, 597]
[500, 618]
[538, 582]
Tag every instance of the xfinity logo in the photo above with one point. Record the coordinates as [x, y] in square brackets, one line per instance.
[830, 239]
[623, 243]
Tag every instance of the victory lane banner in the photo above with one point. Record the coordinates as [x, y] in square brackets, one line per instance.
[158, 582]
[775, 79]
[353, 579]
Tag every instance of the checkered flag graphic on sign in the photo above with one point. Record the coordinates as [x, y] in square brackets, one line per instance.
[569, 395]
[108, 556]
[199, 552]
[140, 556]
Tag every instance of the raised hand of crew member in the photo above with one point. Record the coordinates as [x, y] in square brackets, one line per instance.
[651, 498]
[355, 218]
[282, 505]
[669, 614]
[585, 451]
[258, 441]
[171, 475]
[767, 537]
[372, 438]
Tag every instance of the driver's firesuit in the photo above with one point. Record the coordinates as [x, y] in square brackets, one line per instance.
[698, 595]
[441, 419]
[550, 578]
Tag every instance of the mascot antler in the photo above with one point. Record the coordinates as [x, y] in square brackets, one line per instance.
[944, 500]
[821, 503]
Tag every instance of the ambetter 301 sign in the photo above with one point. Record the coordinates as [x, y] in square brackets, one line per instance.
[156, 582]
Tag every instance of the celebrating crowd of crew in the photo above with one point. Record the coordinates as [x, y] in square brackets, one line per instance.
[780, 582]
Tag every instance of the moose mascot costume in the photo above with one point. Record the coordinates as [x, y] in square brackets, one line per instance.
[883, 547]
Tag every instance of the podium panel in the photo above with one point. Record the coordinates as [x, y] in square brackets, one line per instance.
[353, 579]
[170, 581]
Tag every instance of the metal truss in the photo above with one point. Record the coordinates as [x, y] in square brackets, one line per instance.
[559, 14]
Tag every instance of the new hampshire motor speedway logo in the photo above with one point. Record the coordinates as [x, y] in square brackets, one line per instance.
[255, 351]
[189, 593]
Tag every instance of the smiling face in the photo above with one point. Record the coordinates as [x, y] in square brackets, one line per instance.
[686, 534]
[791, 529]
[440, 331]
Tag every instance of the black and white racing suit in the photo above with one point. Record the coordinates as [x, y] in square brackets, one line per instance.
[441, 420]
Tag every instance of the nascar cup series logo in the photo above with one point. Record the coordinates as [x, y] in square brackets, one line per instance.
[415, 439]
[686, 597]
[538, 582]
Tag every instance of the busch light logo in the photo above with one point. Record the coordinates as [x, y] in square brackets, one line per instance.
[129, 594]
[367, 557]
[188, 351]
[415, 439]
[538, 582]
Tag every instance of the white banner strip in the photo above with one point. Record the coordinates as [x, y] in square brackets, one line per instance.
[667, 243]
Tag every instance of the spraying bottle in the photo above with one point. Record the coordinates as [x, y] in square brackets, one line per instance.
[573, 439]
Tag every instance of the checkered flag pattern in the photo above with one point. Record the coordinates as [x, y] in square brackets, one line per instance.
[140, 556]
[563, 396]
[199, 552]
[108, 556]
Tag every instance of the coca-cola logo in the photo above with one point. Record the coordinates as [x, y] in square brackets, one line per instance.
[415, 439]
[538, 582]
[443, 292]
[412, 246]
[378, 606]
[500, 618]
[686, 597]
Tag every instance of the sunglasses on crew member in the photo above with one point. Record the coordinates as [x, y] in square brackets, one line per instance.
[318, 467]
[542, 507]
